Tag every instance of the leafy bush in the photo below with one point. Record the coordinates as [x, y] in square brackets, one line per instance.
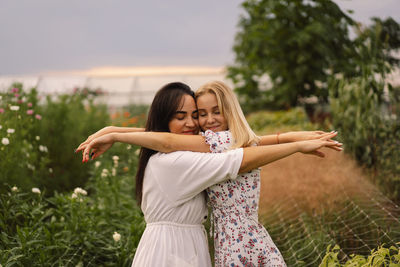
[379, 257]
[368, 121]
[270, 121]
[40, 151]
[100, 226]
[23, 152]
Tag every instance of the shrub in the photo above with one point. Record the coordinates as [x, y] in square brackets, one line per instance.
[40, 151]
[270, 121]
[100, 226]
[368, 121]
[379, 257]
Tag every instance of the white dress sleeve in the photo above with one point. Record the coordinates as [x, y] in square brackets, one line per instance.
[182, 175]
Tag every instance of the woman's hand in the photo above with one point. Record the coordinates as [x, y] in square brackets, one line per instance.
[306, 135]
[313, 146]
[104, 131]
[97, 147]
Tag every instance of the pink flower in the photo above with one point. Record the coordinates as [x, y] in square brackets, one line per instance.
[30, 112]
[1, 110]
[37, 116]
[14, 90]
[29, 104]
[16, 95]
[20, 101]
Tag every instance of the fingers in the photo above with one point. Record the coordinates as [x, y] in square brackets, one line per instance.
[85, 154]
[329, 136]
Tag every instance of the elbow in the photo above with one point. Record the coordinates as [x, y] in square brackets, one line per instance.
[245, 166]
[166, 145]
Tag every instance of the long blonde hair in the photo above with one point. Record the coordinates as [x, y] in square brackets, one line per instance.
[230, 108]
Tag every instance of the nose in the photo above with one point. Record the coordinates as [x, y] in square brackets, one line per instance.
[210, 119]
[190, 122]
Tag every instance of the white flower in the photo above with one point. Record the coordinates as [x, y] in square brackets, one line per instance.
[15, 108]
[128, 147]
[137, 152]
[36, 190]
[1, 97]
[10, 131]
[104, 173]
[43, 148]
[1, 127]
[50, 170]
[14, 189]
[116, 237]
[30, 166]
[115, 158]
[37, 138]
[74, 195]
[114, 172]
[97, 164]
[5, 141]
[80, 191]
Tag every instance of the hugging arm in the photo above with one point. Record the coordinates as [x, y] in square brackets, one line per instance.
[107, 130]
[257, 156]
[294, 136]
[158, 141]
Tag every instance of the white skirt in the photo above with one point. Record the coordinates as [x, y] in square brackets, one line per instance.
[169, 244]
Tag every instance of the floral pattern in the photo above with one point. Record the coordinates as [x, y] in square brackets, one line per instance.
[239, 239]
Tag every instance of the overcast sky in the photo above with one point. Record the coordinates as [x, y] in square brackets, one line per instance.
[37, 36]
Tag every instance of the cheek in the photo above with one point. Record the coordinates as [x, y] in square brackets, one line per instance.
[175, 126]
[202, 121]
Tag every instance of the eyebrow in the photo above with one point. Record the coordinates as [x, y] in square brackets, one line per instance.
[184, 112]
[211, 108]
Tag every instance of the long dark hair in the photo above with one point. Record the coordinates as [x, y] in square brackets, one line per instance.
[165, 104]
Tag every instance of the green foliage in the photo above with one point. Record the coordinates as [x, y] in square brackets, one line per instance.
[293, 42]
[286, 50]
[368, 122]
[76, 229]
[23, 153]
[379, 257]
[272, 121]
[40, 151]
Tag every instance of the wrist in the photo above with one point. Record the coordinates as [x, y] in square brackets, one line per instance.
[285, 138]
[114, 136]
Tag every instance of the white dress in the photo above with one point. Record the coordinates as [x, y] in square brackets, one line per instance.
[174, 206]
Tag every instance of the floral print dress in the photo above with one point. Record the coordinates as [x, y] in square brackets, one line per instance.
[239, 239]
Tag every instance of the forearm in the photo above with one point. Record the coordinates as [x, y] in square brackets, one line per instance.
[163, 142]
[273, 139]
[257, 156]
[116, 129]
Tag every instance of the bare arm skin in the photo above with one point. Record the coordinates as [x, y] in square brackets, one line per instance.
[253, 157]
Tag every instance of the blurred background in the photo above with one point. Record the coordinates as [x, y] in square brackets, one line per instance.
[67, 69]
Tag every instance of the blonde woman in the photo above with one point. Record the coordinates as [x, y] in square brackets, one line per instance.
[239, 239]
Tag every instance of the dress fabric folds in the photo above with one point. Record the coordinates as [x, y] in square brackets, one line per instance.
[174, 206]
[239, 239]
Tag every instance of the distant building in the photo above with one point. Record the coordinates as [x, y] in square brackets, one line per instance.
[122, 86]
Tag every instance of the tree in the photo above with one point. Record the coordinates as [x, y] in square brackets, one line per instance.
[286, 48]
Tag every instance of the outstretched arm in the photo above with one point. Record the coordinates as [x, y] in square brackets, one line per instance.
[158, 141]
[107, 130]
[294, 136]
[254, 157]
